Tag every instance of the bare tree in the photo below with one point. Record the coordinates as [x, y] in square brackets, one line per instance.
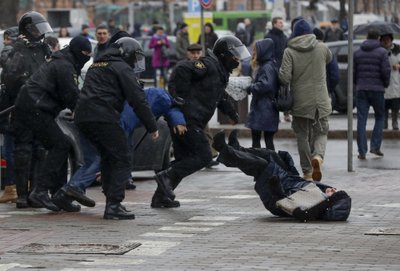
[8, 13]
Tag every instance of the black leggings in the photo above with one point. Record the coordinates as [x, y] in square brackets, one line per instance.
[268, 138]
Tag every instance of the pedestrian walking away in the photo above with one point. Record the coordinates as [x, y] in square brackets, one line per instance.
[201, 84]
[276, 178]
[304, 69]
[371, 74]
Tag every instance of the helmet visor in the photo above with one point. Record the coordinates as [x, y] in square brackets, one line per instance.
[240, 52]
[140, 64]
[41, 28]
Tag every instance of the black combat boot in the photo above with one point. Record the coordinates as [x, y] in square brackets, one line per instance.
[164, 183]
[160, 200]
[219, 143]
[64, 202]
[79, 196]
[22, 192]
[41, 198]
[233, 140]
[130, 185]
[114, 210]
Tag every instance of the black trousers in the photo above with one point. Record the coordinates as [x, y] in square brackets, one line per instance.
[192, 152]
[112, 144]
[268, 139]
[32, 126]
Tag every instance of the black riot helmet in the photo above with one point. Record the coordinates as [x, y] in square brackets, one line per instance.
[132, 53]
[230, 50]
[33, 26]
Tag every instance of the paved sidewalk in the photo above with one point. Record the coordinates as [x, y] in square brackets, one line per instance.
[338, 127]
[221, 225]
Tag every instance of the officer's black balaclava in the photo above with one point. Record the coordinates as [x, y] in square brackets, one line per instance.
[77, 45]
[229, 63]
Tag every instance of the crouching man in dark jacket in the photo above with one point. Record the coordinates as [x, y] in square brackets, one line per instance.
[52, 88]
[110, 82]
[276, 177]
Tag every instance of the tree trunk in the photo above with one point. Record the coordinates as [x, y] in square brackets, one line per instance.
[8, 13]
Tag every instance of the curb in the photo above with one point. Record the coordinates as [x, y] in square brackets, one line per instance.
[288, 133]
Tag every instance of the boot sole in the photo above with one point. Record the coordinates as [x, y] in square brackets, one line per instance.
[316, 174]
[84, 201]
[40, 203]
[112, 217]
[161, 205]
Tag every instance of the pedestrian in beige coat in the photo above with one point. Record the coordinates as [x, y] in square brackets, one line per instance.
[303, 68]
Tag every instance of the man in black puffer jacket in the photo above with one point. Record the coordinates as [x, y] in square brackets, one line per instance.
[52, 88]
[276, 177]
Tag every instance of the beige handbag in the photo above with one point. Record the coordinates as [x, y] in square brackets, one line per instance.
[305, 199]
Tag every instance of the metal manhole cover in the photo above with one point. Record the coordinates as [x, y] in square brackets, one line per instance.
[384, 231]
[108, 249]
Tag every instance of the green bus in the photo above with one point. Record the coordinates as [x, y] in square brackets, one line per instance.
[228, 20]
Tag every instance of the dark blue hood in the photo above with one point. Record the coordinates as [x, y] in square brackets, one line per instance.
[339, 207]
[265, 50]
[369, 45]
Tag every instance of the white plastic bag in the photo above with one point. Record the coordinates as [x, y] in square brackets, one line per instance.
[237, 87]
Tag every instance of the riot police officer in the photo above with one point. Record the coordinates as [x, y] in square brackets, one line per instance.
[52, 88]
[28, 54]
[201, 84]
[109, 82]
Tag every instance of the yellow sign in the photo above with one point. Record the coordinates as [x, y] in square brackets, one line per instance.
[193, 21]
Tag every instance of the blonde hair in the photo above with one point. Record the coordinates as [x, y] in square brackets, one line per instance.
[254, 63]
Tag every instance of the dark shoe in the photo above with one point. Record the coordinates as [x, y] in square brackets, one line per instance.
[22, 202]
[361, 156]
[130, 185]
[161, 201]
[233, 140]
[79, 197]
[219, 141]
[376, 152]
[164, 183]
[42, 198]
[64, 202]
[117, 211]
[212, 163]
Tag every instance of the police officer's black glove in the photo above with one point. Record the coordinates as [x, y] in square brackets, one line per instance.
[178, 101]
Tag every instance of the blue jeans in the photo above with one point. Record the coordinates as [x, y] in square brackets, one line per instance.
[9, 156]
[86, 174]
[365, 99]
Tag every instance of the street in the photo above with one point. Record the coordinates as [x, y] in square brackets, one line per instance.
[221, 225]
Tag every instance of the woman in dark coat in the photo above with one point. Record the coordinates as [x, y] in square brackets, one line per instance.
[209, 36]
[263, 117]
[276, 177]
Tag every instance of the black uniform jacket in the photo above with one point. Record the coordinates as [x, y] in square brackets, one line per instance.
[53, 87]
[201, 83]
[110, 82]
[22, 62]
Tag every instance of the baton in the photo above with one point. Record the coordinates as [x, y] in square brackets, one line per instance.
[7, 110]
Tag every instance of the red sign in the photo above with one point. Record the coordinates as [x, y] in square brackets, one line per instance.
[206, 3]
